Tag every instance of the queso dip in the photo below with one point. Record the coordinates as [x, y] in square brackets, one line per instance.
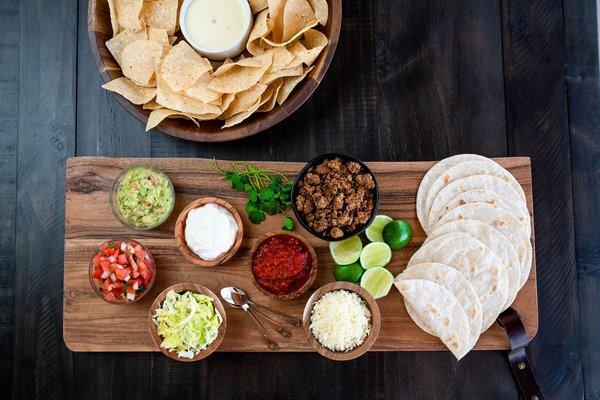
[215, 25]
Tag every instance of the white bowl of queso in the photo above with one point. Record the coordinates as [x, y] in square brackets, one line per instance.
[217, 29]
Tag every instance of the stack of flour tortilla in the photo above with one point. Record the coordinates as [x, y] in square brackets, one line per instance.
[477, 255]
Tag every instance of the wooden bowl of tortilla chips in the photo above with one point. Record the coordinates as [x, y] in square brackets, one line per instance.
[171, 88]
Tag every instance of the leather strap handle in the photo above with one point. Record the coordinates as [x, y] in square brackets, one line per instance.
[529, 389]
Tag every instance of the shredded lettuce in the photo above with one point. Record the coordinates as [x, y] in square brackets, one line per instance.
[188, 322]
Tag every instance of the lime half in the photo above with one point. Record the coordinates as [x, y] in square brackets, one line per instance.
[375, 254]
[375, 231]
[346, 251]
[377, 281]
[348, 273]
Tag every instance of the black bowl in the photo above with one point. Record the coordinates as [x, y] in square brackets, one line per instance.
[315, 162]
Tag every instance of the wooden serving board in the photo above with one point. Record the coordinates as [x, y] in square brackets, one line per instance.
[90, 324]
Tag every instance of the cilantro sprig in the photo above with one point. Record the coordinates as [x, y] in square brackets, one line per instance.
[269, 192]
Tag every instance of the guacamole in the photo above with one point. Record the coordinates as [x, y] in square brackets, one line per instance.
[144, 197]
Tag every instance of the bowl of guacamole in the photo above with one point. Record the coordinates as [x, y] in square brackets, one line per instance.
[142, 197]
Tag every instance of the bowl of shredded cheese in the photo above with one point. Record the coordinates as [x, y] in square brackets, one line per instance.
[341, 321]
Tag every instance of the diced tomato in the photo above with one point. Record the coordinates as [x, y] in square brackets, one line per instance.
[97, 273]
[145, 274]
[140, 254]
[136, 274]
[122, 259]
[142, 265]
[96, 260]
[116, 292]
[117, 284]
[111, 297]
[122, 273]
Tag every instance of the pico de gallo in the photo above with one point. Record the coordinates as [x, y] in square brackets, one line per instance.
[122, 270]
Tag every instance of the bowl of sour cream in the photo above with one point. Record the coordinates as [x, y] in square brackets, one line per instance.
[209, 231]
[217, 29]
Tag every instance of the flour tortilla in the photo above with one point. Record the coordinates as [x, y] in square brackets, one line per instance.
[483, 269]
[457, 284]
[440, 311]
[472, 168]
[432, 175]
[493, 239]
[463, 185]
[518, 209]
[502, 220]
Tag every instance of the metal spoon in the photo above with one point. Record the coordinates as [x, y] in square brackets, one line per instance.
[229, 294]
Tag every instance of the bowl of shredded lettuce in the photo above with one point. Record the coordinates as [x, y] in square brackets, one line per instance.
[187, 322]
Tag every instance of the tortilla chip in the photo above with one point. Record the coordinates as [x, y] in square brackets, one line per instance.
[269, 97]
[276, 8]
[152, 105]
[275, 43]
[236, 119]
[321, 10]
[271, 76]
[158, 116]
[139, 60]
[258, 5]
[297, 14]
[158, 35]
[182, 67]
[128, 14]
[200, 90]
[314, 42]
[281, 58]
[226, 100]
[297, 49]
[242, 75]
[122, 40]
[161, 14]
[262, 27]
[179, 102]
[132, 92]
[244, 100]
[114, 20]
[289, 84]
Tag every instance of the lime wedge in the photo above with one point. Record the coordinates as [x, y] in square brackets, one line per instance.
[375, 254]
[348, 273]
[377, 281]
[346, 251]
[375, 231]
[397, 234]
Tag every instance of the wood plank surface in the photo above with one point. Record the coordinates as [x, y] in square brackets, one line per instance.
[46, 138]
[583, 88]
[86, 317]
[537, 122]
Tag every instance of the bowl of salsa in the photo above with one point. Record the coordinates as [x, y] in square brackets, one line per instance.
[283, 265]
[122, 271]
[142, 197]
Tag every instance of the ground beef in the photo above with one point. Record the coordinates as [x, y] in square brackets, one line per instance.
[336, 197]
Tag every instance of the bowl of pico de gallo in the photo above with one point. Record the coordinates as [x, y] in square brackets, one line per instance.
[122, 271]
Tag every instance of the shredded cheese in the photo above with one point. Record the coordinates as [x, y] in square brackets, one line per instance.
[340, 320]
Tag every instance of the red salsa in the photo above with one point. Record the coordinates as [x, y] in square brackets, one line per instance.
[281, 264]
[122, 270]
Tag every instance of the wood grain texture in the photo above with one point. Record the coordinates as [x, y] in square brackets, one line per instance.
[537, 122]
[9, 121]
[583, 88]
[100, 30]
[375, 321]
[46, 138]
[180, 232]
[88, 180]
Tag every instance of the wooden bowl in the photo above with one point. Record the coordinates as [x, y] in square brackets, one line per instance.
[100, 30]
[375, 321]
[311, 277]
[184, 287]
[180, 232]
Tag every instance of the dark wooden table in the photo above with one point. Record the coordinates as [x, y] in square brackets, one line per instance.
[411, 80]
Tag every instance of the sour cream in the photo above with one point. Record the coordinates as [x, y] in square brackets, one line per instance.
[210, 231]
[216, 28]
